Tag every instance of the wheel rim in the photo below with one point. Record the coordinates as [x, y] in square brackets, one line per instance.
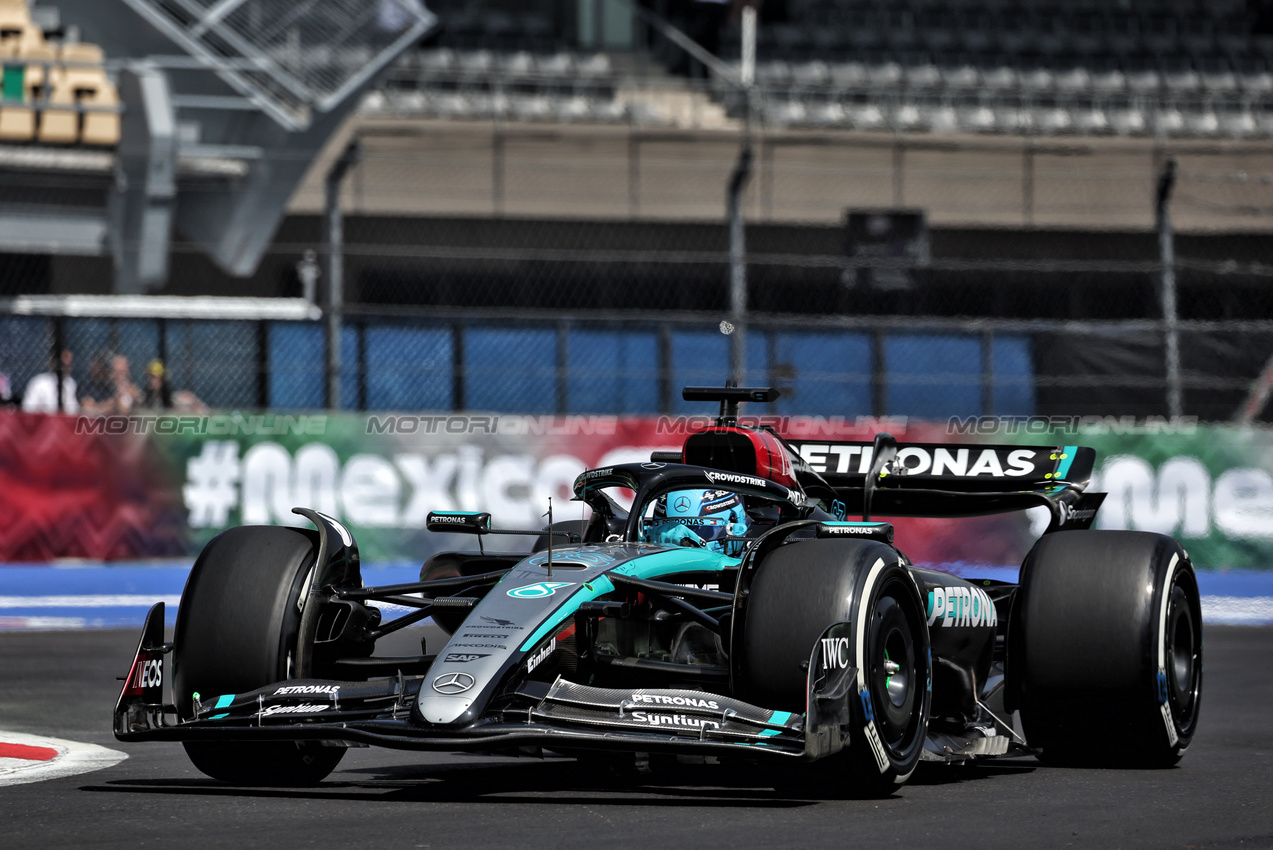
[894, 670]
[1182, 654]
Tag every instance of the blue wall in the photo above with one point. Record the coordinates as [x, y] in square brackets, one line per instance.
[549, 367]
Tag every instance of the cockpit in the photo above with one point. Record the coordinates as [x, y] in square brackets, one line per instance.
[675, 505]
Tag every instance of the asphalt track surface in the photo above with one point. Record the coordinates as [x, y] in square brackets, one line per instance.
[63, 684]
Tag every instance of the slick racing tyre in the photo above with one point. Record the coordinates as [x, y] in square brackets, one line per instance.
[798, 591]
[236, 631]
[1105, 648]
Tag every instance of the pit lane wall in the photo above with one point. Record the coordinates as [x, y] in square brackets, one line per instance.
[161, 487]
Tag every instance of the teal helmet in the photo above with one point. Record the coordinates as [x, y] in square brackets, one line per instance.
[702, 518]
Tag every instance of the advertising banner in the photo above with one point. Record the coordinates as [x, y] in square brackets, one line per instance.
[129, 488]
[70, 493]
[1209, 486]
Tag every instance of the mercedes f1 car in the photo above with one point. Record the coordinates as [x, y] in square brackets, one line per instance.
[718, 601]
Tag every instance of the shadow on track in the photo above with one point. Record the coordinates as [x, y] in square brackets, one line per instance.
[558, 782]
[552, 784]
[935, 773]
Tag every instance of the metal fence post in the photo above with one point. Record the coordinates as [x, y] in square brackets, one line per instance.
[334, 239]
[737, 236]
[738, 267]
[1166, 254]
[60, 366]
[988, 372]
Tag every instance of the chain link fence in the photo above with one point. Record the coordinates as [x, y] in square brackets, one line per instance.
[585, 269]
[929, 370]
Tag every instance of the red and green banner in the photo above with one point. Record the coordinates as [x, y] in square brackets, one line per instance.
[162, 486]
[93, 496]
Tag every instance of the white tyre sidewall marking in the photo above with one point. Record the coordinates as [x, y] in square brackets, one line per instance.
[1172, 737]
[72, 758]
[872, 734]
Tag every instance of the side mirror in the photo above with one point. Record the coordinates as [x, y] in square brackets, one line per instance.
[881, 531]
[459, 522]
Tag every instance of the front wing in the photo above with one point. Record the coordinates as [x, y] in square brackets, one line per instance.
[557, 715]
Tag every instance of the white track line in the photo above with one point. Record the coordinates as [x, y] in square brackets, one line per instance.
[72, 758]
[93, 601]
[1237, 610]
[43, 623]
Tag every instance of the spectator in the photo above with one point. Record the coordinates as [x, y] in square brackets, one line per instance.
[110, 390]
[97, 390]
[159, 394]
[156, 395]
[127, 394]
[41, 391]
[187, 402]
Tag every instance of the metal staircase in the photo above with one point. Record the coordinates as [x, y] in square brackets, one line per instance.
[226, 104]
[290, 58]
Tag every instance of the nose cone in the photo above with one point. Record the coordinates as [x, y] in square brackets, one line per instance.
[447, 697]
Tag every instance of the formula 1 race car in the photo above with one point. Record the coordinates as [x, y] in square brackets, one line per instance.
[717, 602]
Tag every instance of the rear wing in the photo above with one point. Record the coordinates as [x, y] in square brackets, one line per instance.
[944, 479]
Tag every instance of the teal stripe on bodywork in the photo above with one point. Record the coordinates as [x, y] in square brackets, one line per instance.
[646, 567]
[780, 718]
[222, 701]
[600, 587]
[1064, 468]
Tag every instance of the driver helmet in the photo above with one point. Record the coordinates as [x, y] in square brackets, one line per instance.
[701, 518]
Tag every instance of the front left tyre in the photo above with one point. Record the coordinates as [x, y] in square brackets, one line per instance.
[236, 631]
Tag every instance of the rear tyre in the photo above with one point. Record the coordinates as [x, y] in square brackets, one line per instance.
[236, 632]
[1105, 649]
[802, 588]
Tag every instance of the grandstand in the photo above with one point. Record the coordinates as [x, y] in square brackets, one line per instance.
[123, 122]
[1151, 67]
[1171, 68]
[555, 172]
[56, 92]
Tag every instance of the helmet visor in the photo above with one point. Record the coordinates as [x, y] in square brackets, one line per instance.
[708, 528]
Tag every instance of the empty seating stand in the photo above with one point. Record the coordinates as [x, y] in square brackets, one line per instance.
[53, 94]
[480, 84]
[1132, 67]
[1182, 67]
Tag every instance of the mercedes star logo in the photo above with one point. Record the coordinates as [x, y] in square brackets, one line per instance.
[452, 683]
[683, 503]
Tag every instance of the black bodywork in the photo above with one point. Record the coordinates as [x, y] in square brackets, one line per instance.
[642, 657]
